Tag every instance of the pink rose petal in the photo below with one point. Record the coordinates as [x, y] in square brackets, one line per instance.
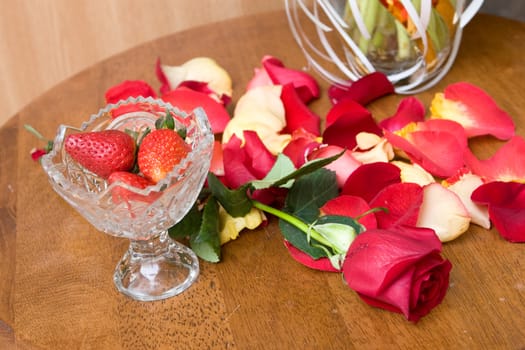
[402, 202]
[474, 109]
[305, 85]
[410, 110]
[187, 100]
[362, 91]
[369, 179]
[506, 204]
[342, 166]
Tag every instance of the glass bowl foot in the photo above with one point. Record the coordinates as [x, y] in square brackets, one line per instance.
[156, 269]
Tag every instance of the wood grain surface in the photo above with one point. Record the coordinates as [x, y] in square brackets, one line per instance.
[43, 42]
[56, 289]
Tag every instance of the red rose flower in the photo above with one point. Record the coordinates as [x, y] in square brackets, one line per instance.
[399, 269]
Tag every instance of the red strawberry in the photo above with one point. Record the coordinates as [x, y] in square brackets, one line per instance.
[120, 194]
[159, 152]
[102, 152]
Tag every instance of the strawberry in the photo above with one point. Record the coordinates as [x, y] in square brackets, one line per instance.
[120, 194]
[159, 152]
[102, 152]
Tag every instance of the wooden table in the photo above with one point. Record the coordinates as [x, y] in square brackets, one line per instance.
[56, 289]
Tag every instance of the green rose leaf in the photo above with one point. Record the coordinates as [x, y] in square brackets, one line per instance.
[235, 202]
[206, 243]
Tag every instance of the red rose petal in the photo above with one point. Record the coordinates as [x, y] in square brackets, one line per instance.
[305, 85]
[321, 264]
[483, 114]
[402, 202]
[297, 114]
[244, 164]
[504, 165]
[369, 179]
[350, 206]
[187, 100]
[506, 205]
[301, 144]
[410, 110]
[344, 121]
[165, 85]
[129, 88]
[437, 145]
[364, 90]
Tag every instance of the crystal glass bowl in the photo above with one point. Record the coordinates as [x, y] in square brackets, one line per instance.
[155, 266]
[413, 42]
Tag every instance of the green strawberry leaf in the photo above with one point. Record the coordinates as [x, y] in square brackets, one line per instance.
[206, 243]
[235, 202]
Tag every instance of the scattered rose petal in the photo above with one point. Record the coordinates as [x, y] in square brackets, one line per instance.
[298, 115]
[345, 121]
[351, 206]
[342, 166]
[410, 110]
[402, 201]
[217, 160]
[443, 211]
[198, 69]
[437, 147]
[362, 91]
[230, 227]
[369, 179]
[260, 78]
[381, 152]
[260, 110]
[463, 185]
[300, 146]
[503, 165]
[414, 173]
[473, 108]
[304, 84]
[506, 205]
[129, 88]
[321, 264]
[406, 274]
[187, 100]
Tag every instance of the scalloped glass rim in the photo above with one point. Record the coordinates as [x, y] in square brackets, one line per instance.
[47, 164]
[138, 218]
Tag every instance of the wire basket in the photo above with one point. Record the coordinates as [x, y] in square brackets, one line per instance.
[413, 42]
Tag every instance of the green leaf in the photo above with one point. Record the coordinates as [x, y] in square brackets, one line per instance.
[206, 243]
[282, 168]
[235, 202]
[188, 226]
[300, 240]
[311, 192]
[307, 168]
